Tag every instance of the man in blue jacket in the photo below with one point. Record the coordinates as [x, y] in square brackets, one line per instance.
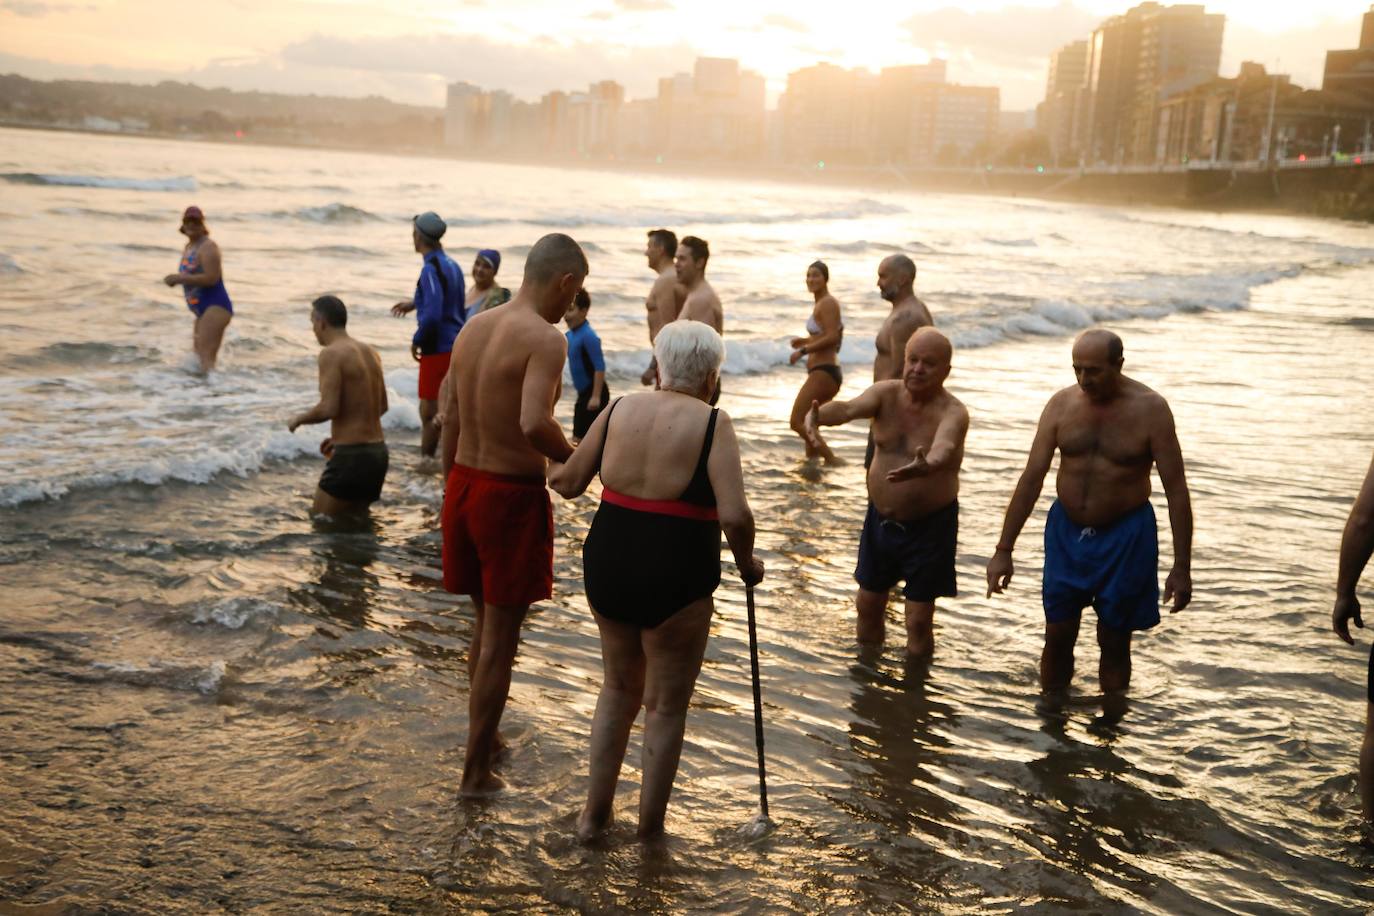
[440, 311]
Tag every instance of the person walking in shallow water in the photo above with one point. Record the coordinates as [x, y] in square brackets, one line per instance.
[499, 432]
[201, 275]
[671, 481]
[911, 531]
[1101, 544]
[440, 310]
[1357, 544]
[353, 399]
[821, 348]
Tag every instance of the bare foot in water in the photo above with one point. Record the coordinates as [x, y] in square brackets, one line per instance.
[481, 785]
[592, 827]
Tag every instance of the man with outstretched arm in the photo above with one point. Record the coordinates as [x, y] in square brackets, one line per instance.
[1101, 543]
[912, 526]
[1357, 543]
[665, 297]
[498, 434]
[352, 399]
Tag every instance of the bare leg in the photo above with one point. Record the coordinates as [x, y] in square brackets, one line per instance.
[324, 504]
[920, 628]
[495, 642]
[622, 692]
[429, 433]
[872, 608]
[475, 651]
[672, 652]
[819, 386]
[209, 334]
[1114, 669]
[1056, 661]
[1367, 770]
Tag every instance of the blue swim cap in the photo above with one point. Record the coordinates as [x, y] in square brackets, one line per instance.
[492, 257]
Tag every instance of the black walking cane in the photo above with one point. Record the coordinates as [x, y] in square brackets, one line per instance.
[758, 702]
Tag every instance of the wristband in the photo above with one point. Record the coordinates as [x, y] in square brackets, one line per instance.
[1001, 547]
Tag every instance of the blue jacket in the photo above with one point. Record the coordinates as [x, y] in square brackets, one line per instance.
[440, 306]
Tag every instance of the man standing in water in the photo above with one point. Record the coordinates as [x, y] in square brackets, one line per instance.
[896, 284]
[912, 525]
[1101, 544]
[352, 399]
[440, 311]
[1357, 543]
[665, 296]
[701, 302]
[498, 434]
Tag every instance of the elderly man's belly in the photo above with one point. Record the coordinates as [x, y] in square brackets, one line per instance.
[1100, 493]
[912, 499]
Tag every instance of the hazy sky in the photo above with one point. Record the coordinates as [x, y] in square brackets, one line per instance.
[408, 51]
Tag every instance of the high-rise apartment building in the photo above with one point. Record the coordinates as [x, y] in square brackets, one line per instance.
[1063, 113]
[1136, 60]
[827, 115]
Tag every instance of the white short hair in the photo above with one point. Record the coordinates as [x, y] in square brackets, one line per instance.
[687, 353]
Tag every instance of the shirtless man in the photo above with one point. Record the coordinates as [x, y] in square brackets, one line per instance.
[665, 297]
[896, 284]
[353, 399]
[701, 302]
[1101, 544]
[1357, 544]
[498, 434]
[913, 488]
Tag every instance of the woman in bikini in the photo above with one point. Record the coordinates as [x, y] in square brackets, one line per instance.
[822, 351]
[671, 482]
[202, 279]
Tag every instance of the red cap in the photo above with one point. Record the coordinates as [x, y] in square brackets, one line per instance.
[194, 214]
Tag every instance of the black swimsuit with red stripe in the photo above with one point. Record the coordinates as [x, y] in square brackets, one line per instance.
[645, 559]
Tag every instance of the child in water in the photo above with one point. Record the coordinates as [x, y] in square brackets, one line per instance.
[587, 365]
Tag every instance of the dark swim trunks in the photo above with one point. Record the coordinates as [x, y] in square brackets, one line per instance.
[1114, 568]
[584, 415]
[1369, 687]
[831, 370]
[919, 552]
[355, 472]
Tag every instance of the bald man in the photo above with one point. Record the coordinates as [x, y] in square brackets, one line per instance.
[1101, 544]
[897, 285]
[912, 525]
[498, 434]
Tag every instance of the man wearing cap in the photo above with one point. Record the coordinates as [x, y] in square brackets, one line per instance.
[484, 293]
[439, 310]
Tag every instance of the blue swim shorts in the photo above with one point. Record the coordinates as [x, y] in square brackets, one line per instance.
[919, 552]
[1113, 568]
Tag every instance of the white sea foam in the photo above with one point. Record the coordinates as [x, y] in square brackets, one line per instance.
[234, 613]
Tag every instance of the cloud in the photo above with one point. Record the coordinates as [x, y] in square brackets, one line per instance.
[643, 6]
[777, 20]
[33, 9]
[1013, 37]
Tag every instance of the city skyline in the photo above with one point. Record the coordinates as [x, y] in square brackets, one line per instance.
[381, 47]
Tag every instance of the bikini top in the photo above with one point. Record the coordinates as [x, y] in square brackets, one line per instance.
[698, 498]
[813, 327]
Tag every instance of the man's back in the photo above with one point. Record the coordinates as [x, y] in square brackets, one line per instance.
[362, 392]
[490, 358]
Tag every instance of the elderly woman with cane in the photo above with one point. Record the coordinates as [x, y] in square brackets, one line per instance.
[671, 482]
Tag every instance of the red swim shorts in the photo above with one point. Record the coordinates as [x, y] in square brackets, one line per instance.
[498, 537]
[433, 368]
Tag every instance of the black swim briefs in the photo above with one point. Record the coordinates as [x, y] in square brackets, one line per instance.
[355, 472]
